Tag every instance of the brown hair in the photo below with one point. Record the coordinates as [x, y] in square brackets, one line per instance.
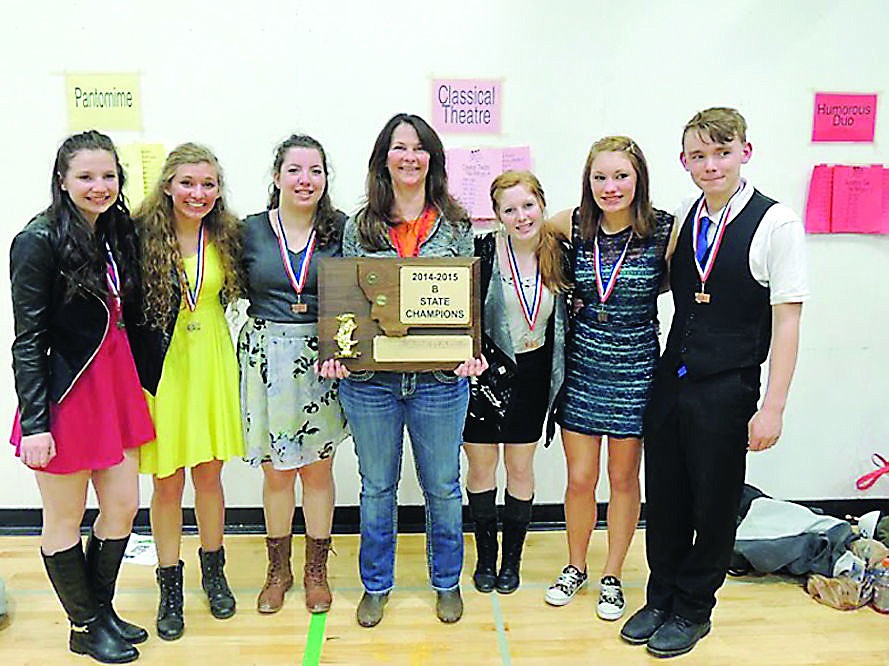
[81, 254]
[549, 248]
[161, 258]
[375, 220]
[326, 219]
[720, 124]
[644, 221]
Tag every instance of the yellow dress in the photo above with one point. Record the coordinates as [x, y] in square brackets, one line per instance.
[196, 411]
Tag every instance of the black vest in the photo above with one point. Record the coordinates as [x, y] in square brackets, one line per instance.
[733, 330]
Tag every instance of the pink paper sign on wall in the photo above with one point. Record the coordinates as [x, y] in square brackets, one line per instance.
[466, 106]
[844, 117]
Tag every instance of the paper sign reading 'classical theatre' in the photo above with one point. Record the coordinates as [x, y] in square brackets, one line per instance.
[466, 106]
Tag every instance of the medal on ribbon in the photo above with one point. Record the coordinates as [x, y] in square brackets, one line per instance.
[704, 271]
[112, 277]
[298, 277]
[192, 295]
[531, 309]
[606, 287]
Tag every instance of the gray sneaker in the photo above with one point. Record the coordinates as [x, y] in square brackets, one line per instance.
[611, 604]
[566, 586]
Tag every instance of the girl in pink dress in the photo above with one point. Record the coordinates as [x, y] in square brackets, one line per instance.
[81, 413]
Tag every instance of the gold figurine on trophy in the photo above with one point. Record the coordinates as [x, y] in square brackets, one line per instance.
[343, 337]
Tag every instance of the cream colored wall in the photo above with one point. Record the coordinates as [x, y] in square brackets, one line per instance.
[239, 77]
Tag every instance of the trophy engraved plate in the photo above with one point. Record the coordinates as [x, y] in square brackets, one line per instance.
[403, 315]
[441, 297]
[452, 348]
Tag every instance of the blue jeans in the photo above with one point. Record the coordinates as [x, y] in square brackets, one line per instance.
[433, 407]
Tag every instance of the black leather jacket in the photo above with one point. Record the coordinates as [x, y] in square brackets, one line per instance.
[55, 338]
[149, 344]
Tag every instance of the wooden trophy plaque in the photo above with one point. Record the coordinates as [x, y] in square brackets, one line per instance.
[404, 315]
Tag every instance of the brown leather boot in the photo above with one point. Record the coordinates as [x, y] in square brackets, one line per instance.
[318, 596]
[279, 577]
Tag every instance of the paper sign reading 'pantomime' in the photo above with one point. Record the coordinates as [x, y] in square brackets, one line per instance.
[844, 117]
[109, 101]
[466, 106]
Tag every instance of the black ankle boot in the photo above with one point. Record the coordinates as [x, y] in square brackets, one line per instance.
[90, 632]
[516, 516]
[170, 620]
[483, 509]
[103, 558]
[219, 594]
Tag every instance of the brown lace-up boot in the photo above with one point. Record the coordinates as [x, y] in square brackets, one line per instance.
[318, 596]
[279, 577]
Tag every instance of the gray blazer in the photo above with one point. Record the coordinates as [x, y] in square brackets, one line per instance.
[496, 326]
[444, 240]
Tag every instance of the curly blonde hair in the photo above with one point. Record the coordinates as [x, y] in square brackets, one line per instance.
[161, 259]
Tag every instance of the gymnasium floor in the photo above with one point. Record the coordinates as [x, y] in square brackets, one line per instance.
[766, 620]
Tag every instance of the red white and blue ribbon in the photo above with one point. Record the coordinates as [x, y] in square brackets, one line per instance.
[112, 275]
[296, 277]
[704, 271]
[606, 287]
[191, 295]
[532, 309]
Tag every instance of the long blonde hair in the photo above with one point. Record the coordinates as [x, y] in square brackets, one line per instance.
[161, 259]
[549, 248]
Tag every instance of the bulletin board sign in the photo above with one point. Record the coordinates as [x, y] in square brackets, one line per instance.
[103, 101]
[844, 117]
[466, 106]
[471, 170]
[848, 199]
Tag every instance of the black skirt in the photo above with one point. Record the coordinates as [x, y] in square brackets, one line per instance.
[526, 412]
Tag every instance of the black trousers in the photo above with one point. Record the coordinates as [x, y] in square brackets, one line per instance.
[695, 460]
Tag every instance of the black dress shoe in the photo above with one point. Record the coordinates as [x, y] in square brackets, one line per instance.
[677, 636]
[643, 623]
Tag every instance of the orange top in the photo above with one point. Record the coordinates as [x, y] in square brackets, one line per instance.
[408, 236]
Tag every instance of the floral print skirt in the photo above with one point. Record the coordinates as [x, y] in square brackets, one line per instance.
[292, 417]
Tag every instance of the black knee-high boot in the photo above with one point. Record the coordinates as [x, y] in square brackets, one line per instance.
[483, 509]
[90, 632]
[103, 558]
[516, 517]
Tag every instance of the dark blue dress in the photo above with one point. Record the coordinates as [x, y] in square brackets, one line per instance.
[610, 365]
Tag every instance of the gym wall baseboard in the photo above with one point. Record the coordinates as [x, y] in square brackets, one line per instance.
[249, 520]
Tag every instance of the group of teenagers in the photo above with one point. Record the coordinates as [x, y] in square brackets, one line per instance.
[124, 364]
